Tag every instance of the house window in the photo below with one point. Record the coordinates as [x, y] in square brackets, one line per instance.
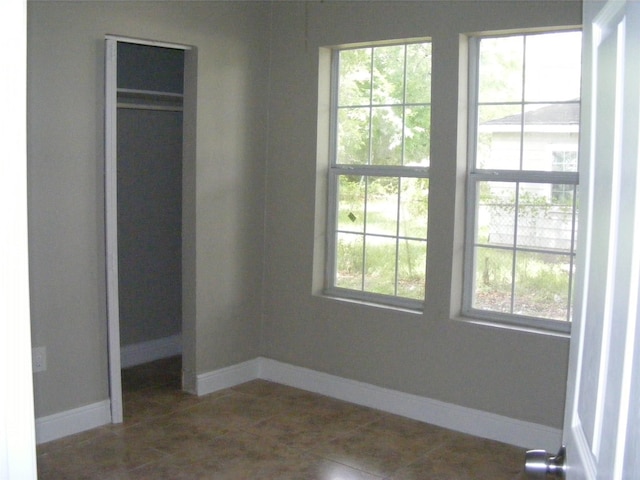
[563, 161]
[522, 201]
[379, 173]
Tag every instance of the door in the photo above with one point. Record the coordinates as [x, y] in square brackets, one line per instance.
[602, 412]
[161, 228]
[17, 431]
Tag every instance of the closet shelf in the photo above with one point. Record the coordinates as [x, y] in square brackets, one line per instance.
[145, 106]
[147, 93]
[149, 100]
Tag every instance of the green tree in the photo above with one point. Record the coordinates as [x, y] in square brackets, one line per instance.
[384, 113]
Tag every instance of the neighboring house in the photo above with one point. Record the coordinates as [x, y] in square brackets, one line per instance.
[550, 144]
[550, 138]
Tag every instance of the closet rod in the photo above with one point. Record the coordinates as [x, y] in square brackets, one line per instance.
[148, 93]
[141, 106]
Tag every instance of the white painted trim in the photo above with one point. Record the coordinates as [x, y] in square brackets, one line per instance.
[144, 352]
[228, 377]
[72, 421]
[151, 43]
[111, 211]
[17, 429]
[447, 415]
[111, 227]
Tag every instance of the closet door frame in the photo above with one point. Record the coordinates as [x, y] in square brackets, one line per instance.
[111, 199]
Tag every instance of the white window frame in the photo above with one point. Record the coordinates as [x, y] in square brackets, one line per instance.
[477, 175]
[335, 171]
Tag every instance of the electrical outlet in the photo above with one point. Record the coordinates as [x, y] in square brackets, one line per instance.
[39, 359]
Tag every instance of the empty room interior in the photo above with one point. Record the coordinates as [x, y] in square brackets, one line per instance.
[224, 138]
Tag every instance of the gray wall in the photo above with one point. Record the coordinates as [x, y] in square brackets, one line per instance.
[223, 205]
[149, 198]
[149, 224]
[507, 372]
[252, 218]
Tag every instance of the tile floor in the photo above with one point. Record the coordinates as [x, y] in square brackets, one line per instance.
[263, 430]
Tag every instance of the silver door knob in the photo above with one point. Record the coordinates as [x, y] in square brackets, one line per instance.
[539, 464]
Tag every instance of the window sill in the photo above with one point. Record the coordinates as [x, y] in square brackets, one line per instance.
[504, 325]
[370, 303]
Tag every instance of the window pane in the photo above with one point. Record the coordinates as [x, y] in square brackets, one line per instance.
[351, 198]
[417, 138]
[563, 160]
[386, 136]
[380, 265]
[349, 257]
[382, 119]
[353, 136]
[414, 206]
[388, 75]
[493, 279]
[553, 77]
[382, 205]
[547, 129]
[562, 194]
[528, 111]
[412, 257]
[500, 72]
[499, 137]
[496, 213]
[542, 285]
[542, 223]
[418, 73]
[354, 87]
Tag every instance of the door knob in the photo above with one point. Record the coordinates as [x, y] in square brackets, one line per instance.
[539, 464]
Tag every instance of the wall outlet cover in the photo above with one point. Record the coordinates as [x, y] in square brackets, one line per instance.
[39, 359]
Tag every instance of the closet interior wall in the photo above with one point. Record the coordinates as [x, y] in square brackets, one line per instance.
[149, 138]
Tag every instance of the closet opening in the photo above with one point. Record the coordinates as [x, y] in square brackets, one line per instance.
[148, 190]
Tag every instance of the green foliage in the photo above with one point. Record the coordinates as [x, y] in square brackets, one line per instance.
[418, 73]
[379, 272]
[388, 75]
[501, 69]
[384, 118]
[349, 261]
[384, 113]
[529, 204]
[353, 138]
[378, 275]
[541, 282]
[354, 87]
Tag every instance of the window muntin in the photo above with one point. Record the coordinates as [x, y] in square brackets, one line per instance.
[378, 178]
[522, 182]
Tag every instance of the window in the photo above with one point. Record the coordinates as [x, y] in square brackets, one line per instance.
[563, 161]
[379, 173]
[522, 178]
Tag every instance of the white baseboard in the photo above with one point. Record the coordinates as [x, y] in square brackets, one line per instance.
[447, 415]
[144, 352]
[454, 417]
[228, 377]
[72, 421]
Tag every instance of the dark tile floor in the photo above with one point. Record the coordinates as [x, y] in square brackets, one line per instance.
[263, 430]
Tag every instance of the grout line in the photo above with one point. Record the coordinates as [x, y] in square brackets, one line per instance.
[284, 398]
